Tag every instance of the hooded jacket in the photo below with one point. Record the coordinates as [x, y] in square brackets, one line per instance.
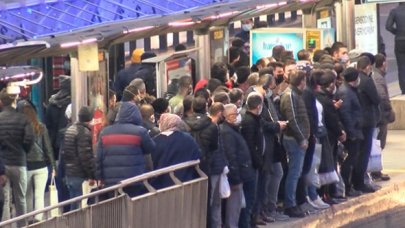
[122, 146]
[207, 137]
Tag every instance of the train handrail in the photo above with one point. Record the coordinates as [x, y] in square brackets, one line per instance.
[117, 187]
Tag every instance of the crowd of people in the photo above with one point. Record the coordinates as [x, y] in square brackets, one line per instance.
[292, 137]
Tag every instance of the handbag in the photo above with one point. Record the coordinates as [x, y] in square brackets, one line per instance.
[374, 161]
[224, 188]
[53, 197]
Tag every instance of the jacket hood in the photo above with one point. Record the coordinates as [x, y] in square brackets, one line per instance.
[129, 113]
[198, 122]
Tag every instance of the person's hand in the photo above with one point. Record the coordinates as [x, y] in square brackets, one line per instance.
[283, 124]
[342, 137]
[338, 103]
[91, 182]
[53, 173]
[3, 180]
[100, 183]
[304, 146]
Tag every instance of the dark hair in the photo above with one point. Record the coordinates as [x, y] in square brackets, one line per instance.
[296, 77]
[243, 73]
[317, 55]
[185, 82]
[379, 60]
[129, 93]
[221, 97]
[276, 52]
[370, 56]
[234, 53]
[203, 92]
[336, 46]
[253, 101]
[303, 55]
[315, 77]
[287, 55]
[266, 70]
[187, 104]
[180, 47]
[200, 105]
[328, 50]
[146, 111]
[276, 64]
[160, 105]
[338, 68]
[219, 71]
[213, 84]
[363, 62]
[238, 42]
[235, 94]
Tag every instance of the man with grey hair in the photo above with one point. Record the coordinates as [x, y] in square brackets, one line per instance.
[239, 163]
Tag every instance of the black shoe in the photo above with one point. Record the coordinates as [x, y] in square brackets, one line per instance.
[258, 221]
[266, 218]
[379, 176]
[353, 193]
[294, 212]
[366, 189]
[330, 201]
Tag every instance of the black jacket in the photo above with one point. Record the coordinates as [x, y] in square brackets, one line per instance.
[351, 113]
[397, 17]
[271, 130]
[41, 153]
[124, 77]
[331, 114]
[369, 100]
[77, 152]
[207, 137]
[16, 137]
[237, 154]
[252, 132]
[147, 73]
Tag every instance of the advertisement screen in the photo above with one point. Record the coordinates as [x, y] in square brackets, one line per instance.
[262, 43]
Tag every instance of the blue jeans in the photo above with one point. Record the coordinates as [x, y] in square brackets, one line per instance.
[74, 185]
[296, 157]
[249, 190]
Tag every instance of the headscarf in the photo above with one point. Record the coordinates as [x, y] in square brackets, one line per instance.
[171, 122]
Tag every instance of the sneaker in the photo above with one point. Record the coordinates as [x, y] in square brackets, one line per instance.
[308, 209]
[266, 218]
[279, 216]
[294, 212]
[379, 176]
[258, 221]
[320, 204]
[353, 193]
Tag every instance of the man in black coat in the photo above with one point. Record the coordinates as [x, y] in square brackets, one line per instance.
[240, 163]
[16, 140]
[252, 131]
[370, 102]
[397, 17]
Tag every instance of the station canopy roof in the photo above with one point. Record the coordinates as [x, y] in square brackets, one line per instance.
[60, 22]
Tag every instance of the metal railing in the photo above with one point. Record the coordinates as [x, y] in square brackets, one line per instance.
[182, 204]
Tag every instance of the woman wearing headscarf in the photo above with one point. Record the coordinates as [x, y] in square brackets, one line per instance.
[173, 146]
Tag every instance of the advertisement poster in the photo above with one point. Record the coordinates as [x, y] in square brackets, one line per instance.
[366, 28]
[263, 41]
[324, 22]
[328, 37]
[313, 39]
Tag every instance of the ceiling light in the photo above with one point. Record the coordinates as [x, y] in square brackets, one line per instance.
[138, 29]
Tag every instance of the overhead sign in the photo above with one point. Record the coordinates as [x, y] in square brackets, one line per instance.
[366, 28]
[88, 57]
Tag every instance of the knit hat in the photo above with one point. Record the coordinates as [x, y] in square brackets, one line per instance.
[136, 55]
[85, 114]
[350, 74]
[354, 55]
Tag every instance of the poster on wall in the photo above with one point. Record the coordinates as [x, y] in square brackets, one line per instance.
[262, 41]
[366, 28]
[328, 37]
[313, 39]
[324, 22]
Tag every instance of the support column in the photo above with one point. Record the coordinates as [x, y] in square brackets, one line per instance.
[202, 41]
[339, 21]
[79, 87]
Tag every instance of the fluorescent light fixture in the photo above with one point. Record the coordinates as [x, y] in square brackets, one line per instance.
[266, 6]
[222, 15]
[70, 44]
[282, 3]
[138, 29]
[76, 43]
[181, 23]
